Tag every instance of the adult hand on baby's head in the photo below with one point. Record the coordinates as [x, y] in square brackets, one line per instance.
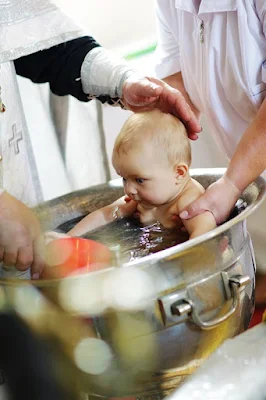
[219, 199]
[143, 94]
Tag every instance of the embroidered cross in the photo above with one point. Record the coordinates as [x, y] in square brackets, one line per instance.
[16, 137]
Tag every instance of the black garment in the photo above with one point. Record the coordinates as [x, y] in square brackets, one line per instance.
[29, 363]
[60, 66]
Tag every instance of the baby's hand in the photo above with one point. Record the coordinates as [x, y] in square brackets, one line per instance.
[124, 207]
[51, 235]
[129, 207]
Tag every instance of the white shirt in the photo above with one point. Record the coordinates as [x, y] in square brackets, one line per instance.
[220, 48]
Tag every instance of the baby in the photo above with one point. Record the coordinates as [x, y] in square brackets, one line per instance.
[152, 154]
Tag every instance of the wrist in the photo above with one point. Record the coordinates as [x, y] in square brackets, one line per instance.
[117, 213]
[231, 186]
[104, 73]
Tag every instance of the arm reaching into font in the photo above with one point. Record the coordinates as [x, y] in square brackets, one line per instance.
[119, 209]
[247, 163]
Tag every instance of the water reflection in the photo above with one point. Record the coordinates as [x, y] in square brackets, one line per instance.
[129, 240]
[132, 240]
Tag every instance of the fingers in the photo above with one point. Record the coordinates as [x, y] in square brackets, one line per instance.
[217, 199]
[193, 136]
[21, 258]
[148, 93]
[38, 259]
[181, 108]
[183, 111]
[10, 256]
[146, 88]
[143, 102]
[24, 258]
[19, 229]
[140, 93]
[197, 207]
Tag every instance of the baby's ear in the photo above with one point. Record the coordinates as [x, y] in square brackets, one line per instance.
[181, 171]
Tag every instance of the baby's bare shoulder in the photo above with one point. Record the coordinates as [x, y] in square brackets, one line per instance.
[192, 191]
[196, 186]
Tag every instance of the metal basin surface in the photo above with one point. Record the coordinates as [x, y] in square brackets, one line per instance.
[199, 293]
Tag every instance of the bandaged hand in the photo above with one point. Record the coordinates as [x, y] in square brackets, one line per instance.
[219, 199]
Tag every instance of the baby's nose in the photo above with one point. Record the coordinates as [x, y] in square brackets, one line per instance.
[130, 189]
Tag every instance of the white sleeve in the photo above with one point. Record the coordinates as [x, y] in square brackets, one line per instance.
[261, 12]
[167, 53]
[103, 72]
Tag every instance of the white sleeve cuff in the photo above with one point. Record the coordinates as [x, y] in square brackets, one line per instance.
[167, 67]
[103, 73]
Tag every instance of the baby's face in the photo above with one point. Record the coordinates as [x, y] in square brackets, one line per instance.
[147, 176]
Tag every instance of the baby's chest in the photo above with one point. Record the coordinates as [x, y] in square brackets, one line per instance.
[171, 221]
[168, 219]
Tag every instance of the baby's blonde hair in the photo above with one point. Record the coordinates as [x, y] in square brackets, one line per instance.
[163, 130]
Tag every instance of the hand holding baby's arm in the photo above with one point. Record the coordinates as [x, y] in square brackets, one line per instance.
[199, 224]
[119, 209]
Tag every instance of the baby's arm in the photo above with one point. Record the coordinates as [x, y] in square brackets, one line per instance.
[119, 209]
[200, 224]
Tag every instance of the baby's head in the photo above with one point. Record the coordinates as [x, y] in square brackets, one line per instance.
[163, 132]
[152, 147]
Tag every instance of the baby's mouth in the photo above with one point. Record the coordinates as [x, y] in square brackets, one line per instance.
[136, 199]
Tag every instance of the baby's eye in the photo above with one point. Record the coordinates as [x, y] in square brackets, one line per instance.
[140, 180]
[124, 180]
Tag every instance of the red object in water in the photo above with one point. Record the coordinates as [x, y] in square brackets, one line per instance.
[71, 256]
